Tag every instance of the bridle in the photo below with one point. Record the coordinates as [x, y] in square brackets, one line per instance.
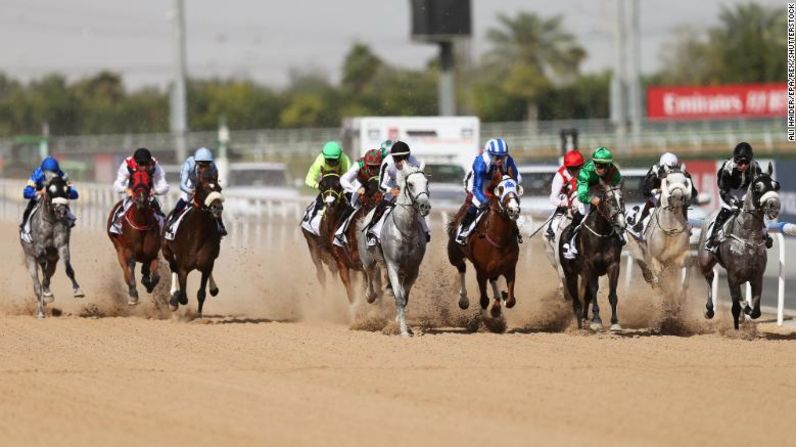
[608, 191]
[408, 189]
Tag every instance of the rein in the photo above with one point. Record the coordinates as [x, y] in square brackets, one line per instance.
[668, 231]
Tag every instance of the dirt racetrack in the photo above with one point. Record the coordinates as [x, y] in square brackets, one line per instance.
[279, 362]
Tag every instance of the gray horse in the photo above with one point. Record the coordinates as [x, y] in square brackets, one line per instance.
[742, 250]
[402, 243]
[663, 250]
[49, 230]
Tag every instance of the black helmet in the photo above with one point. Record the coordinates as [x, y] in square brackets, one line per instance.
[399, 150]
[742, 152]
[142, 156]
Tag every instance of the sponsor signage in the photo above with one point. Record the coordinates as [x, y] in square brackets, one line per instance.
[725, 101]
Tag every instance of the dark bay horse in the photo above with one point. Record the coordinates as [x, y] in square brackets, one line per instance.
[332, 206]
[742, 252]
[600, 249]
[493, 247]
[50, 232]
[140, 237]
[347, 258]
[197, 243]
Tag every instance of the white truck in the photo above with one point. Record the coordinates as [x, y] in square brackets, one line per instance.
[447, 144]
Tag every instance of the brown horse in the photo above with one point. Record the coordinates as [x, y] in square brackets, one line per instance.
[331, 203]
[493, 247]
[347, 258]
[197, 243]
[140, 238]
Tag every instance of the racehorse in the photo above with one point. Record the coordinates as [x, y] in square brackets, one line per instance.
[600, 247]
[402, 242]
[662, 250]
[139, 240]
[559, 224]
[197, 241]
[49, 231]
[320, 245]
[742, 251]
[347, 257]
[492, 248]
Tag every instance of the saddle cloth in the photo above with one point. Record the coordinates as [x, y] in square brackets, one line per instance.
[340, 238]
[312, 226]
[463, 233]
[171, 231]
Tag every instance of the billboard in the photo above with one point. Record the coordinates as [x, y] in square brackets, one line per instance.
[725, 101]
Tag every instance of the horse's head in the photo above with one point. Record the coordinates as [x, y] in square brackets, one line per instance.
[373, 194]
[676, 189]
[57, 196]
[330, 188]
[414, 189]
[612, 206]
[207, 194]
[507, 193]
[141, 186]
[763, 194]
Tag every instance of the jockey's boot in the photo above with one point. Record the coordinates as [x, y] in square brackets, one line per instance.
[550, 234]
[318, 206]
[517, 232]
[377, 213]
[638, 226]
[570, 250]
[711, 244]
[222, 229]
[461, 236]
[26, 214]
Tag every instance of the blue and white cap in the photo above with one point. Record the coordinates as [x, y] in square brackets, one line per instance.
[203, 154]
[497, 147]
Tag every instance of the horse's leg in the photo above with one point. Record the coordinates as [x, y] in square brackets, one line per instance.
[174, 293]
[400, 299]
[47, 273]
[707, 272]
[572, 293]
[132, 290]
[593, 287]
[213, 286]
[182, 277]
[345, 276]
[735, 293]
[33, 270]
[481, 279]
[201, 294]
[757, 289]
[613, 279]
[457, 260]
[315, 255]
[154, 276]
[510, 278]
[127, 269]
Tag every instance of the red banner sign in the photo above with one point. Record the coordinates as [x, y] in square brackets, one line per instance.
[726, 101]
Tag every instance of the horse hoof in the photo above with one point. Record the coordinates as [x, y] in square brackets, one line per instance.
[755, 314]
[183, 299]
[709, 314]
[173, 307]
[596, 326]
[48, 298]
[511, 302]
[40, 316]
[464, 303]
[616, 327]
[484, 302]
[78, 293]
[214, 292]
[495, 311]
[47, 293]
[747, 310]
[132, 301]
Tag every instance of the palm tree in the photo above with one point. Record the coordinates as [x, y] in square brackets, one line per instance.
[534, 52]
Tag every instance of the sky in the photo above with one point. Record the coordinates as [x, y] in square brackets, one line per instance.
[264, 39]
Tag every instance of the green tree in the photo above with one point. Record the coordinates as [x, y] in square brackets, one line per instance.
[359, 67]
[532, 51]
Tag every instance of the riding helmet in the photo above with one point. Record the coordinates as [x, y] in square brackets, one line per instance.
[497, 147]
[573, 159]
[332, 150]
[203, 154]
[142, 156]
[400, 150]
[669, 159]
[372, 157]
[602, 155]
[50, 164]
[742, 152]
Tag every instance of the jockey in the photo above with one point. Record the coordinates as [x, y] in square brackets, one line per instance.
[388, 181]
[330, 160]
[35, 187]
[652, 184]
[141, 160]
[203, 157]
[565, 183]
[734, 178]
[600, 168]
[354, 181]
[495, 156]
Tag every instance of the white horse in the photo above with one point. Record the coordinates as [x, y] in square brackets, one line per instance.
[402, 243]
[662, 251]
[559, 223]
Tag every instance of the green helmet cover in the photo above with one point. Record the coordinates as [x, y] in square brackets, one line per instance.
[602, 154]
[332, 150]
